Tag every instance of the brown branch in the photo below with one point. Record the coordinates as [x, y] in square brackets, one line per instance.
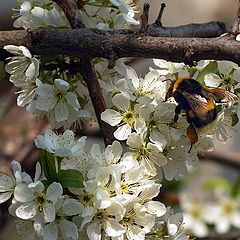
[144, 18]
[71, 8]
[225, 158]
[158, 21]
[95, 92]
[235, 28]
[93, 43]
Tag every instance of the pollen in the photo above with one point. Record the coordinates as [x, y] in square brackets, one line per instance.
[129, 118]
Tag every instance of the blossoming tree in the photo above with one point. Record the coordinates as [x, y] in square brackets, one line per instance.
[69, 66]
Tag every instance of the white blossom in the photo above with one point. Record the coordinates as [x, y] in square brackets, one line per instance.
[36, 201]
[57, 100]
[30, 16]
[228, 77]
[167, 67]
[126, 10]
[125, 117]
[195, 215]
[61, 145]
[62, 226]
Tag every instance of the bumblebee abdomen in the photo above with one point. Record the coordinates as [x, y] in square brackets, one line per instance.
[201, 120]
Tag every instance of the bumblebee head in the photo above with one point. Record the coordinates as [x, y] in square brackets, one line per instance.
[169, 92]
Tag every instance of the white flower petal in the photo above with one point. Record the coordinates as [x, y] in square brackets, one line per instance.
[54, 191]
[26, 210]
[37, 187]
[113, 228]
[94, 231]
[61, 112]
[121, 102]
[123, 132]
[49, 212]
[111, 117]
[5, 196]
[132, 77]
[72, 100]
[69, 229]
[72, 207]
[22, 193]
[156, 208]
[212, 80]
[134, 140]
[61, 84]
[50, 232]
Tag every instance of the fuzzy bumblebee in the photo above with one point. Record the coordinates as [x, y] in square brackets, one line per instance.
[198, 102]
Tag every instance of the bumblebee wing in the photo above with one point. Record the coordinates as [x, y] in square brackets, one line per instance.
[219, 94]
[203, 111]
[196, 102]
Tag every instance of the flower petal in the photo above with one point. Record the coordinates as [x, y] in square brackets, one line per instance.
[69, 229]
[49, 212]
[50, 232]
[123, 132]
[26, 210]
[54, 191]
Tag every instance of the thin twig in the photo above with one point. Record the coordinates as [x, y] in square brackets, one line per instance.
[144, 18]
[235, 28]
[158, 21]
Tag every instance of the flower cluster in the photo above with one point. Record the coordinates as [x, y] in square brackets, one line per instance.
[145, 119]
[116, 199]
[36, 14]
[221, 210]
[112, 192]
[62, 102]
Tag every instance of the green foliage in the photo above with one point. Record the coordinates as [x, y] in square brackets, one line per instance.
[236, 188]
[212, 67]
[48, 164]
[218, 183]
[70, 178]
[232, 188]
[235, 119]
[51, 168]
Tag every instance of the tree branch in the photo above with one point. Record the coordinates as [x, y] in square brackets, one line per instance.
[235, 27]
[226, 158]
[71, 8]
[211, 29]
[93, 43]
[95, 92]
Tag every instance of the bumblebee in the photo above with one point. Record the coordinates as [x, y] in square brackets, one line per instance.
[198, 102]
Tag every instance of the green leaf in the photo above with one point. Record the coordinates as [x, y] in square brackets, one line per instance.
[237, 91]
[192, 71]
[46, 183]
[70, 178]
[235, 119]
[236, 188]
[218, 183]
[212, 67]
[48, 165]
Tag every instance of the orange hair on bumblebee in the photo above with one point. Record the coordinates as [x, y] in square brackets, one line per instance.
[198, 102]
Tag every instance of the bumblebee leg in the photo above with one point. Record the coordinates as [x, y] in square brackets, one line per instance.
[192, 135]
[177, 112]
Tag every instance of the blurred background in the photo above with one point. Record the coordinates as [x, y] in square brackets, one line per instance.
[18, 128]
